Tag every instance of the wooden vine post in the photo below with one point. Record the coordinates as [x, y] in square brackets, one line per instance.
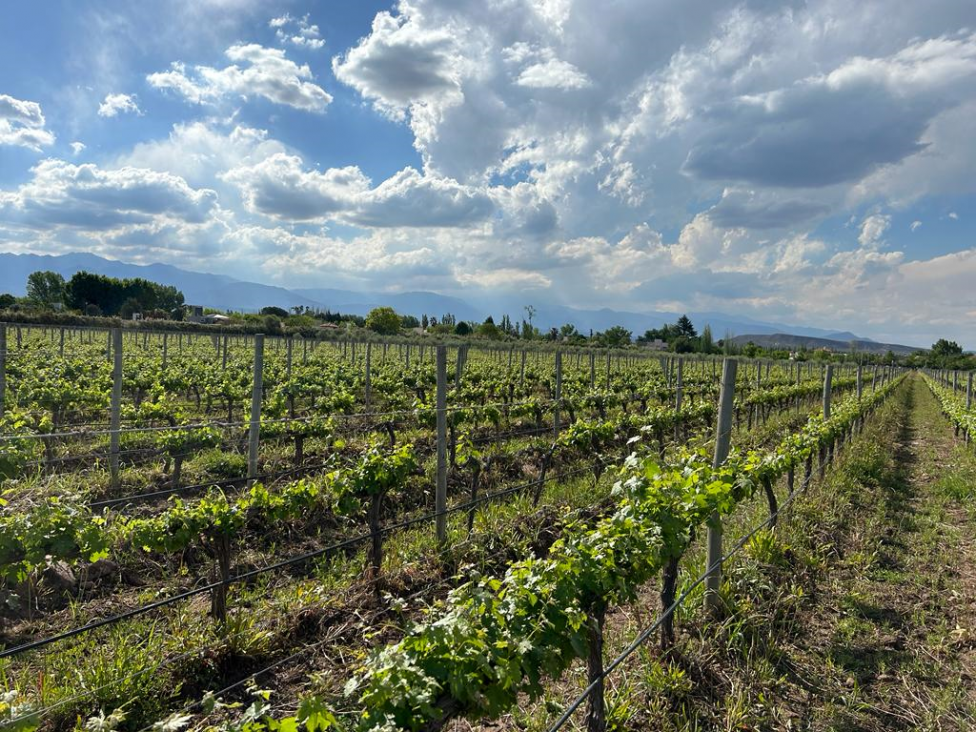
[3, 368]
[368, 377]
[440, 498]
[558, 395]
[254, 428]
[827, 384]
[115, 409]
[679, 391]
[723, 440]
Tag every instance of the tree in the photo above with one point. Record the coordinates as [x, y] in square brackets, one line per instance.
[685, 327]
[108, 294]
[462, 329]
[615, 337]
[279, 312]
[946, 349]
[46, 289]
[530, 312]
[707, 343]
[383, 320]
[129, 308]
[409, 321]
[7, 301]
[489, 330]
[424, 322]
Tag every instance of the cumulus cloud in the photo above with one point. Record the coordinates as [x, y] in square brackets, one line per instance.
[22, 124]
[300, 32]
[281, 188]
[92, 198]
[837, 127]
[78, 147]
[200, 151]
[872, 230]
[257, 71]
[116, 104]
[411, 199]
[553, 74]
[402, 62]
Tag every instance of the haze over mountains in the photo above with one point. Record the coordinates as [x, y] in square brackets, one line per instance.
[221, 291]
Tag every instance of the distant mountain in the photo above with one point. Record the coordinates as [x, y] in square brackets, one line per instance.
[227, 293]
[786, 340]
[209, 290]
[846, 335]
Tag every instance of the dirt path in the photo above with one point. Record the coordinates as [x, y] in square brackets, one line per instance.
[896, 635]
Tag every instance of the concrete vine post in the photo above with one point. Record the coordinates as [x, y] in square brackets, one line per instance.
[723, 441]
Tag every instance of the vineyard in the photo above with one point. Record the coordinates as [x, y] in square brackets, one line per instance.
[250, 533]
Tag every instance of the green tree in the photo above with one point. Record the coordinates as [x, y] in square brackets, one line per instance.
[489, 330]
[615, 337]
[707, 343]
[462, 329]
[946, 349]
[277, 312]
[409, 321]
[383, 320]
[685, 327]
[46, 289]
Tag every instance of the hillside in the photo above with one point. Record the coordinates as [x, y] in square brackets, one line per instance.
[794, 342]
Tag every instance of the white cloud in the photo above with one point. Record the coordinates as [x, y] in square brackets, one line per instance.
[402, 63]
[78, 147]
[915, 225]
[22, 124]
[553, 74]
[91, 198]
[200, 151]
[263, 72]
[411, 199]
[953, 215]
[281, 188]
[504, 279]
[115, 104]
[872, 229]
[301, 32]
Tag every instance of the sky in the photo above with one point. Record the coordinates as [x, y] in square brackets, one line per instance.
[804, 162]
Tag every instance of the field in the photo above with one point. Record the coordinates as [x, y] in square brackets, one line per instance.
[266, 533]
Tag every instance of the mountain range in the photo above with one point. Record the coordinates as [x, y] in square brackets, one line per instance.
[227, 293]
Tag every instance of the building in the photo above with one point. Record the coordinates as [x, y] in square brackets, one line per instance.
[656, 345]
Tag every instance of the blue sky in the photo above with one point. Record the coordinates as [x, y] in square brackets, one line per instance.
[807, 162]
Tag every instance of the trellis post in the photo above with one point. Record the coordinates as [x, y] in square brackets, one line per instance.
[254, 428]
[723, 440]
[115, 410]
[440, 499]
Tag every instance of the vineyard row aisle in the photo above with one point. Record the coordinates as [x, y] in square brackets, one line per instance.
[859, 613]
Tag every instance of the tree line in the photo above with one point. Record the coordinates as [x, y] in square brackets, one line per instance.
[98, 295]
